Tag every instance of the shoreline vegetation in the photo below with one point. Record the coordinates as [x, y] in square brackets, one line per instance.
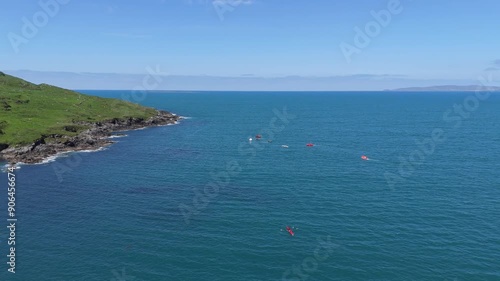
[40, 121]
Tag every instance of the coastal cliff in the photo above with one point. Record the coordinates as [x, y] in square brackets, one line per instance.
[39, 121]
[95, 137]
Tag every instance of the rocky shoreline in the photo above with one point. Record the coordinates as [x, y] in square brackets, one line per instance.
[95, 137]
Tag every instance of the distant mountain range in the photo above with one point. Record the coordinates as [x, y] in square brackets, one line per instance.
[246, 82]
[448, 88]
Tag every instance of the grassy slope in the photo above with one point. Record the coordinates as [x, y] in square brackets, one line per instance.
[28, 111]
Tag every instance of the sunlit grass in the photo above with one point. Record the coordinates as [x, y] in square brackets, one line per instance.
[28, 111]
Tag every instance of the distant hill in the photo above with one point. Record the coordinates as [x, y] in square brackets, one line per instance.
[447, 88]
[58, 120]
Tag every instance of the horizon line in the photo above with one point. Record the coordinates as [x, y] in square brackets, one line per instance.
[293, 91]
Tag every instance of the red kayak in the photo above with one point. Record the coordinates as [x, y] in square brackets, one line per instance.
[290, 230]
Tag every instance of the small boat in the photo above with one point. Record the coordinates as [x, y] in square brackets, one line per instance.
[290, 231]
[309, 144]
[364, 157]
[258, 137]
[284, 146]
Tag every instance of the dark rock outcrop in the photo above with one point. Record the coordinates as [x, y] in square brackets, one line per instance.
[3, 146]
[93, 138]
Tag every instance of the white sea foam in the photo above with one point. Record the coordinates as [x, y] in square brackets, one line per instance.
[116, 136]
[49, 159]
[169, 124]
[6, 166]
[53, 158]
[90, 150]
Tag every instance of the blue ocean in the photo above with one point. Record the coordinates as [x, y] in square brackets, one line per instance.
[201, 201]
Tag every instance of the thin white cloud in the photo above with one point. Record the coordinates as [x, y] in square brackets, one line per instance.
[126, 35]
[229, 2]
[115, 81]
[491, 69]
[111, 9]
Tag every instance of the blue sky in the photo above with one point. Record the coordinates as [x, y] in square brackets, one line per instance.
[434, 41]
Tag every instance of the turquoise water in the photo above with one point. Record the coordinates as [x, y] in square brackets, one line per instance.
[123, 213]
